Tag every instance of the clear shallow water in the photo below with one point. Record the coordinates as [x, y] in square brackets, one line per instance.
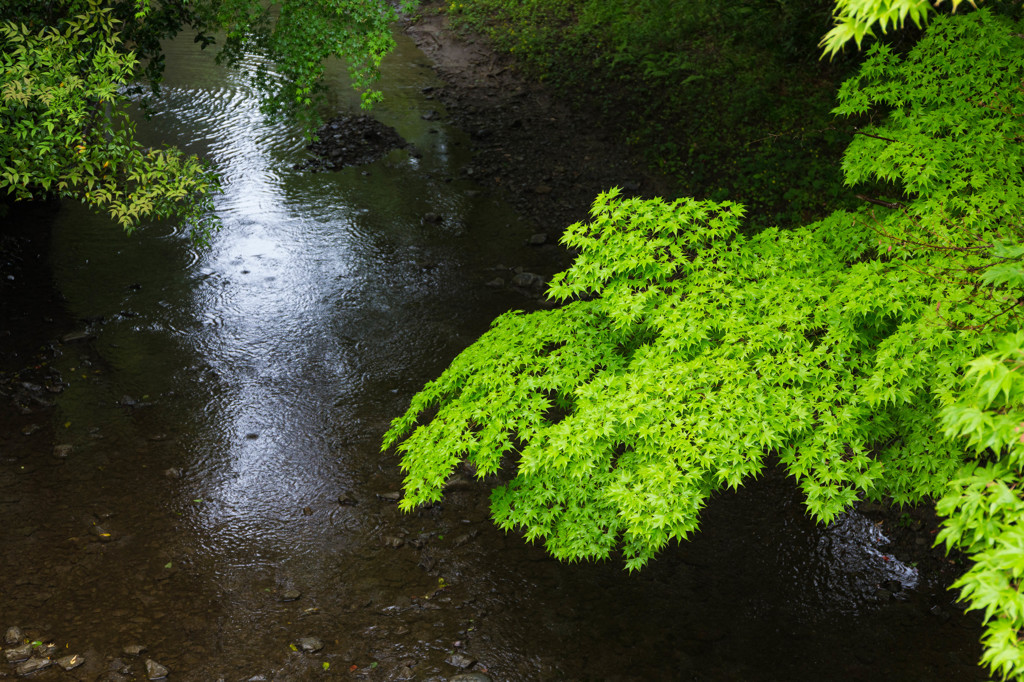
[265, 369]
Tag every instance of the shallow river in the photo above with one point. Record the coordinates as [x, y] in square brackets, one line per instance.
[226, 397]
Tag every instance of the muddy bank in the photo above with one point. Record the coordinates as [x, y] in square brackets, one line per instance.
[548, 160]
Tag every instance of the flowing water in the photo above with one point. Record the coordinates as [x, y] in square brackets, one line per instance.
[225, 397]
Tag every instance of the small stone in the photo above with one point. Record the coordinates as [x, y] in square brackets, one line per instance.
[76, 336]
[460, 661]
[538, 239]
[134, 649]
[392, 541]
[431, 115]
[31, 665]
[431, 218]
[405, 673]
[542, 189]
[290, 595]
[30, 429]
[528, 280]
[63, 450]
[470, 677]
[174, 473]
[883, 595]
[70, 662]
[13, 636]
[18, 653]
[496, 283]
[155, 671]
[307, 511]
[393, 496]
[310, 644]
[346, 499]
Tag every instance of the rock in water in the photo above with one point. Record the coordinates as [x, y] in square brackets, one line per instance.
[310, 644]
[70, 662]
[351, 141]
[32, 665]
[155, 671]
[18, 653]
[13, 636]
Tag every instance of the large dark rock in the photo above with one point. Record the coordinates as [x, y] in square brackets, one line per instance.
[351, 141]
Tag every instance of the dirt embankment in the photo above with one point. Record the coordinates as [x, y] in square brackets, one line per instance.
[548, 160]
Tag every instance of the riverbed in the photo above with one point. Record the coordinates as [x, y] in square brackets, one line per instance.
[190, 465]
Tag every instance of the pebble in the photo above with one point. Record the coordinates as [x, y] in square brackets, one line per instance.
[460, 661]
[63, 450]
[173, 473]
[134, 649]
[290, 595]
[310, 644]
[392, 541]
[394, 496]
[70, 662]
[346, 499]
[496, 283]
[155, 671]
[13, 636]
[538, 239]
[470, 677]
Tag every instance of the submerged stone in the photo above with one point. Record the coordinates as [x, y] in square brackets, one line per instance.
[155, 671]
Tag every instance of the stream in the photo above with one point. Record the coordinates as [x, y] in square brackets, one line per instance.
[206, 481]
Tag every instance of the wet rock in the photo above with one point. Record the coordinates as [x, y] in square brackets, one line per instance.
[174, 473]
[528, 280]
[307, 511]
[392, 541]
[70, 662]
[351, 141]
[431, 218]
[45, 650]
[347, 499]
[542, 189]
[538, 239]
[290, 595]
[470, 677]
[18, 653]
[405, 673]
[496, 283]
[310, 644]
[30, 429]
[460, 661]
[63, 450]
[155, 671]
[32, 665]
[431, 115]
[134, 649]
[71, 337]
[393, 496]
[13, 636]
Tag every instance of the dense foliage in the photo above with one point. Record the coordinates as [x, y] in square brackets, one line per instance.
[686, 352]
[69, 70]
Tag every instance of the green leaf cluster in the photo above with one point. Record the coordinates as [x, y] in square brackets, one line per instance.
[64, 130]
[859, 350]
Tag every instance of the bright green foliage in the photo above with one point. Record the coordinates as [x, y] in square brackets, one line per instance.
[686, 352]
[63, 128]
[856, 19]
